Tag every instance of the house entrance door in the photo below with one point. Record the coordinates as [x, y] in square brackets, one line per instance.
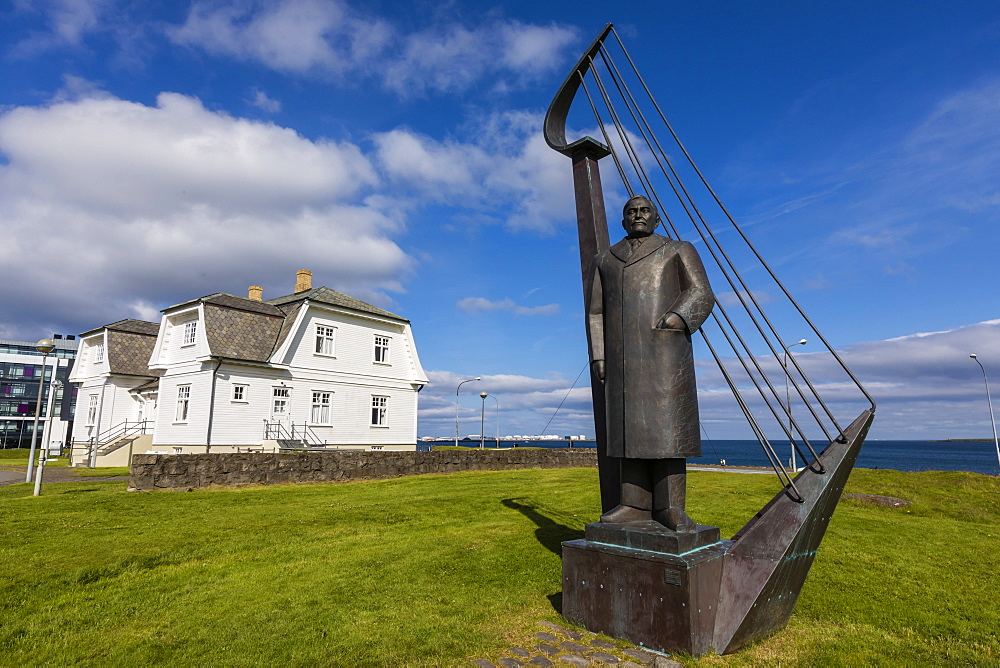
[281, 398]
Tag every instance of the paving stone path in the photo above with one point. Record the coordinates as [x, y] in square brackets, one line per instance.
[558, 646]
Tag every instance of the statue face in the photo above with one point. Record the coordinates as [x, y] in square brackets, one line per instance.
[640, 217]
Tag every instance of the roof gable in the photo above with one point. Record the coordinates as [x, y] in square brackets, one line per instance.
[323, 295]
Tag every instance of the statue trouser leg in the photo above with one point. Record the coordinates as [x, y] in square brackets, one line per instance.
[670, 493]
[637, 493]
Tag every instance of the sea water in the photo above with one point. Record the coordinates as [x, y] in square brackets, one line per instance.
[978, 457]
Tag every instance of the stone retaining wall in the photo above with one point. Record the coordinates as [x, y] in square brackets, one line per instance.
[149, 472]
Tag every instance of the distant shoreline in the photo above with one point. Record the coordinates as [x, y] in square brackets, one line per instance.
[963, 440]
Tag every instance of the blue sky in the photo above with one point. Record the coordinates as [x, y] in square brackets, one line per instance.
[155, 152]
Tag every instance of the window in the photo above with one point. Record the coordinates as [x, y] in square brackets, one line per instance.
[279, 407]
[325, 337]
[92, 410]
[320, 408]
[183, 398]
[190, 330]
[99, 353]
[381, 349]
[379, 407]
[240, 393]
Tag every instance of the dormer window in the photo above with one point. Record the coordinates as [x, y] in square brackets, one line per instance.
[190, 331]
[98, 353]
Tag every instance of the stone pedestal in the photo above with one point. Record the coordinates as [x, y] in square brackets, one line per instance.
[645, 583]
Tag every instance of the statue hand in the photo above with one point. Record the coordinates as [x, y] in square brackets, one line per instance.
[599, 369]
[671, 321]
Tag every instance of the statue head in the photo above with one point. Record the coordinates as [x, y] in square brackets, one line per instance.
[639, 217]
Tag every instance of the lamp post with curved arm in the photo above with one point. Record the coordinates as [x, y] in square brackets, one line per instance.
[456, 404]
[788, 400]
[996, 441]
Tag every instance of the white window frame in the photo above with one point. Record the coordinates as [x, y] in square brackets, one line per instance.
[92, 410]
[183, 407]
[380, 411]
[326, 340]
[381, 349]
[321, 409]
[240, 393]
[99, 352]
[280, 396]
[190, 333]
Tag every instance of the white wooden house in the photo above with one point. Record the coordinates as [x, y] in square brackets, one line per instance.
[112, 365]
[312, 369]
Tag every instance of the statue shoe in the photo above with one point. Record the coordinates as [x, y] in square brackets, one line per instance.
[625, 515]
[676, 519]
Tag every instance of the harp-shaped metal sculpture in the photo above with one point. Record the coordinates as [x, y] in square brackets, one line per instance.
[746, 587]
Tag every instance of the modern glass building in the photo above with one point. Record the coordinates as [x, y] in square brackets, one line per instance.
[21, 379]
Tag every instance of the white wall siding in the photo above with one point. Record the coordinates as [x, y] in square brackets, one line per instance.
[171, 348]
[355, 346]
[114, 405]
[192, 432]
[242, 423]
[85, 366]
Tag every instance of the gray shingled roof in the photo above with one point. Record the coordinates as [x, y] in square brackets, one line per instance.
[129, 325]
[129, 352]
[239, 334]
[327, 296]
[231, 301]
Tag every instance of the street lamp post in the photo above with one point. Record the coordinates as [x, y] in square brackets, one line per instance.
[498, 419]
[45, 346]
[456, 404]
[43, 454]
[996, 442]
[788, 402]
[482, 422]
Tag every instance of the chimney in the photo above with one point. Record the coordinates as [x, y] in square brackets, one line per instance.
[255, 292]
[303, 280]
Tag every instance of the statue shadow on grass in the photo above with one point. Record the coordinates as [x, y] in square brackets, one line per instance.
[550, 534]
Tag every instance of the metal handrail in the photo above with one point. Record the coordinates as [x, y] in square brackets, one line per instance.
[126, 428]
[278, 431]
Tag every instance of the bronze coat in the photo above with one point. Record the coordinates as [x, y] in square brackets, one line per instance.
[649, 385]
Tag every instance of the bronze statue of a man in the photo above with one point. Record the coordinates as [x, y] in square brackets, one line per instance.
[649, 293]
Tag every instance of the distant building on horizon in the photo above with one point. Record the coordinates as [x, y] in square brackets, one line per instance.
[21, 377]
[315, 368]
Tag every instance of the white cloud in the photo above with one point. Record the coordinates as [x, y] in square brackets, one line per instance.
[925, 385]
[260, 100]
[526, 404]
[145, 205]
[441, 169]
[452, 57]
[68, 21]
[125, 157]
[481, 304]
[506, 168]
[330, 37]
[295, 36]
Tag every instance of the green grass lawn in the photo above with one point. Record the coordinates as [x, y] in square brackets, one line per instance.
[440, 570]
[19, 457]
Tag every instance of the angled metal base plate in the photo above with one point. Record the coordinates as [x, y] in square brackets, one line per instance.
[770, 557]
